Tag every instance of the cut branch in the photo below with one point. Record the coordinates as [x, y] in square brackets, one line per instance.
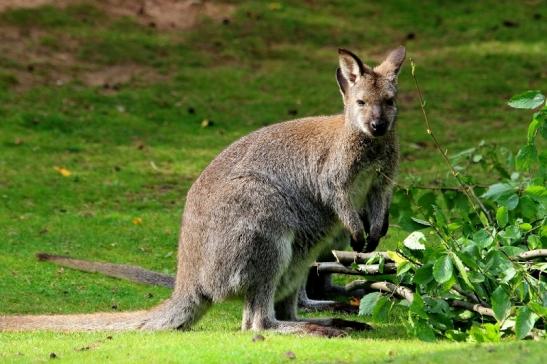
[407, 294]
[362, 269]
[473, 307]
[346, 257]
[532, 254]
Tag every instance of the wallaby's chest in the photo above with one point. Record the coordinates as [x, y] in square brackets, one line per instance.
[361, 185]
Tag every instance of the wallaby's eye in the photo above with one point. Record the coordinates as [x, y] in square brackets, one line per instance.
[361, 103]
[390, 102]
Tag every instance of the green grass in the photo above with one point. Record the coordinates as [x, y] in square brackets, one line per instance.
[135, 150]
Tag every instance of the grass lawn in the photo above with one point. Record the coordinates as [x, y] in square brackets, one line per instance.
[107, 119]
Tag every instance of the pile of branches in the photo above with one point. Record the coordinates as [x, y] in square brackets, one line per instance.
[357, 264]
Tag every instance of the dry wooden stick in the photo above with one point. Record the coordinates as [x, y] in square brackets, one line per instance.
[362, 269]
[346, 257]
[532, 254]
[408, 294]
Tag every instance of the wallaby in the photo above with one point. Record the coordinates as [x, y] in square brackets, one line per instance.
[260, 213]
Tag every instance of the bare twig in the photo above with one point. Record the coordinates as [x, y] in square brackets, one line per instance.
[346, 257]
[362, 269]
[473, 307]
[467, 190]
[407, 294]
[532, 254]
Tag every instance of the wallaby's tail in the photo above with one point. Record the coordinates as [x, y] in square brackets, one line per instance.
[178, 312]
[123, 271]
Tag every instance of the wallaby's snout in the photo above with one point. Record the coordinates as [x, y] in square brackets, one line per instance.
[369, 93]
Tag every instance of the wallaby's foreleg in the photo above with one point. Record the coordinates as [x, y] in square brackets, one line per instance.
[376, 214]
[350, 218]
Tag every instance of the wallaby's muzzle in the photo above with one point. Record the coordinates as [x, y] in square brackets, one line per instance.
[378, 128]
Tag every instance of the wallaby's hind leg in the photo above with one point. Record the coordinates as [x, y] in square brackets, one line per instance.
[311, 305]
[286, 310]
[179, 312]
[260, 306]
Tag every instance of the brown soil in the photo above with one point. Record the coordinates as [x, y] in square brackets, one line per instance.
[39, 64]
[163, 14]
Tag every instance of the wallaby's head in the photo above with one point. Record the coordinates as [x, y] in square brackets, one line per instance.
[369, 93]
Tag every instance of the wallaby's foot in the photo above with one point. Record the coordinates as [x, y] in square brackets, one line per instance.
[350, 325]
[346, 325]
[324, 331]
[304, 327]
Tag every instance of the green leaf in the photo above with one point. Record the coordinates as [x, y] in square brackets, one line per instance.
[403, 267]
[418, 306]
[502, 216]
[424, 274]
[511, 233]
[538, 309]
[442, 269]
[525, 227]
[526, 156]
[368, 302]
[421, 222]
[461, 268]
[525, 321]
[536, 191]
[534, 242]
[527, 100]
[485, 333]
[501, 303]
[414, 241]
[380, 312]
[423, 331]
[532, 130]
[497, 190]
[484, 219]
[483, 239]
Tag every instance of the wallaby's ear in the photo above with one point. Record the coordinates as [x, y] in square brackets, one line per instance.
[392, 65]
[351, 66]
[342, 82]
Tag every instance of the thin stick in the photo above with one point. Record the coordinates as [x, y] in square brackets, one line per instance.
[345, 257]
[469, 192]
[532, 254]
[362, 269]
[407, 294]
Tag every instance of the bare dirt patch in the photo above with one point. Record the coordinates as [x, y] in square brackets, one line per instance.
[162, 14]
[33, 62]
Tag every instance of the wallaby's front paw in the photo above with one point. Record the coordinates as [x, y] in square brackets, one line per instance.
[358, 242]
[325, 331]
[371, 244]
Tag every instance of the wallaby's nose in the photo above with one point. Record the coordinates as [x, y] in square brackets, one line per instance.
[378, 127]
